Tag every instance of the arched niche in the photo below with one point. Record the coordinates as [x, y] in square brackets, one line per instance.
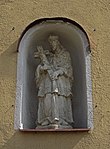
[75, 40]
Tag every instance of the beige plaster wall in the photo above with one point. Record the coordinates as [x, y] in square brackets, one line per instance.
[94, 16]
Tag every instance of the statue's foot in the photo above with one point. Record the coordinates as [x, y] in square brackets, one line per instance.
[46, 122]
[64, 124]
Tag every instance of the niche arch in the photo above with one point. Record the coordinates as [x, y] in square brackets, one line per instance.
[75, 40]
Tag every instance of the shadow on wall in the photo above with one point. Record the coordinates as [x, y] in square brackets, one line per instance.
[7, 87]
[44, 140]
[27, 140]
[8, 60]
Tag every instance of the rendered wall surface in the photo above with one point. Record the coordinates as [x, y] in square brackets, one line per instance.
[93, 16]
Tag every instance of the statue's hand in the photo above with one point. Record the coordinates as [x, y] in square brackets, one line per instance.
[40, 48]
[56, 74]
[44, 67]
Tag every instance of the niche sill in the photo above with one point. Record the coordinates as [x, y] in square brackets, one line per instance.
[57, 130]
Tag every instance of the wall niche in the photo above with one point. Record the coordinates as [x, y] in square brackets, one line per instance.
[74, 39]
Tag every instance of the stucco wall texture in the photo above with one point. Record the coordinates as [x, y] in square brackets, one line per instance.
[94, 17]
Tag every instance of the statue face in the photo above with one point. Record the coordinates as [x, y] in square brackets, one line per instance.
[54, 44]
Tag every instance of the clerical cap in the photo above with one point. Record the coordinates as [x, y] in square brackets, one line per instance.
[53, 37]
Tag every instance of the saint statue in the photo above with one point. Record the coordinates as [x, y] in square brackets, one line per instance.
[54, 78]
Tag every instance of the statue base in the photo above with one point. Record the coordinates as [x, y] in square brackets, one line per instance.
[54, 126]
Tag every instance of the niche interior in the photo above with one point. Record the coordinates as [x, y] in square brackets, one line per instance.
[75, 40]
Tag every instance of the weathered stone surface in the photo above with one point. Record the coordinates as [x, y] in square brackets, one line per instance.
[54, 79]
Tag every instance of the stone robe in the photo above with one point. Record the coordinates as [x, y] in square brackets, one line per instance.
[56, 105]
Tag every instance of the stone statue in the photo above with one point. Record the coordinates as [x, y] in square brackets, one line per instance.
[54, 79]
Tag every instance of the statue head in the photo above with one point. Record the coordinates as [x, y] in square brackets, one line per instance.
[53, 41]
